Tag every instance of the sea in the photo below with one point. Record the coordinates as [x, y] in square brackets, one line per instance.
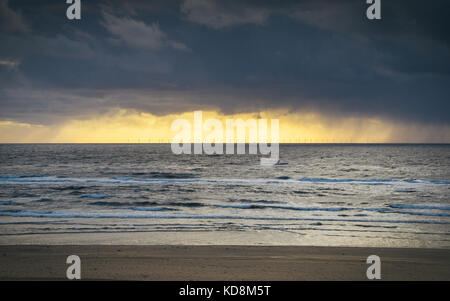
[385, 195]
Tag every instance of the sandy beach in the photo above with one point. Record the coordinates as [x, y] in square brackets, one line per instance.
[108, 262]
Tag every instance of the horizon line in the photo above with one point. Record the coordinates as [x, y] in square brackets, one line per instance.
[305, 143]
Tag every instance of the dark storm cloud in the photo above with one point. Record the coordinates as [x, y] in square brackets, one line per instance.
[236, 56]
[10, 20]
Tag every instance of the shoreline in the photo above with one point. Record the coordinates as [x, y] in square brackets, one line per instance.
[224, 238]
[220, 262]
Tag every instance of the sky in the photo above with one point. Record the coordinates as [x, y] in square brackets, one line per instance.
[127, 69]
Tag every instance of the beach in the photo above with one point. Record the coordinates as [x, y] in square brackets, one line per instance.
[221, 263]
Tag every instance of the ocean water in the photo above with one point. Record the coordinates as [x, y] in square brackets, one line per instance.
[347, 195]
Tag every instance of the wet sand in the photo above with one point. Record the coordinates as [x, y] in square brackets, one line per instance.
[107, 262]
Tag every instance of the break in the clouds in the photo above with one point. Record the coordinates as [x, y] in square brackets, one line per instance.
[9, 63]
[163, 57]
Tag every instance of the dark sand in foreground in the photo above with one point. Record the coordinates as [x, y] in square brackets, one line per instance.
[34, 262]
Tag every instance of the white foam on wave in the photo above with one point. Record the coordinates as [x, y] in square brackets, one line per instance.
[21, 179]
[374, 181]
[147, 215]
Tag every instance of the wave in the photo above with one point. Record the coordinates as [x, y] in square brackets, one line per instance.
[256, 201]
[147, 203]
[136, 215]
[423, 213]
[373, 181]
[154, 209]
[123, 204]
[96, 196]
[71, 187]
[6, 203]
[168, 175]
[44, 200]
[20, 176]
[432, 207]
[248, 204]
[23, 194]
[337, 209]
[261, 205]
[186, 204]
[253, 206]
[24, 179]
[34, 179]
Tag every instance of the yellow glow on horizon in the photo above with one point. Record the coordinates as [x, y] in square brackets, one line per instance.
[124, 126]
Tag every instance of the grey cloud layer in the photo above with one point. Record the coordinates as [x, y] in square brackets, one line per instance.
[138, 34]
[220, 14]
[236, 56]
[11, 21]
